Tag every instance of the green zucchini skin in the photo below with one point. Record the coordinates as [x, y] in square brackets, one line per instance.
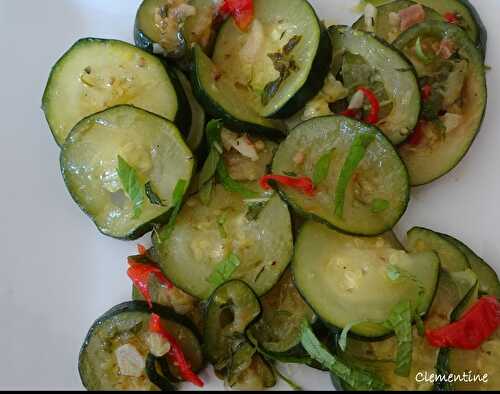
[314, 83]
[163, 383]
[184, 115]
[482, 36]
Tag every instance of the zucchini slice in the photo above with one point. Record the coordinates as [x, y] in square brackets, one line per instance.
[286, 35]
[424, 240]
[345, 278]
[380, 176]
[283, 312]
[222, 99]
[460, 92]
[205, 235]
[148, 143]
[488, 278]
[127, 324]
[468, 18]
[374, 64]
[96, 74]
[379, 356]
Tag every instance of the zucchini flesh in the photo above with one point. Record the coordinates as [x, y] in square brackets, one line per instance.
[422, 240]
[440, 151]
[221, 99]
[345, 278]
[263, 246]
[393, 71]
[96, 74]
[380, 176]
[150, 144]
[283, 312]
[128, 323]
[243, 58]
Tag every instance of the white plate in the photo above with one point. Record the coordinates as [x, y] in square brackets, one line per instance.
[58, 273]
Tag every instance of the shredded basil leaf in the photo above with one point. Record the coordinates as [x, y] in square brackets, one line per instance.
[177, 197]
[131, 185]
[354, 157]
[322, 168]
[354, 377]
[152, 196]
[400, 320]
[224, 270]
[213, 131]
[210, 166]
[231, 185]
[379, 205]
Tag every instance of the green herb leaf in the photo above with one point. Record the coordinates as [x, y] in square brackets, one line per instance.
[224, 270]
[419, 51]
[354, 377]
[354, 157]
[343, 336]
[400, 320]
[379, 205]
[177, 197]
[231, 185]
[152, 196]
[213, 131]
[206, 192]
[210, 166]
[322, 168]
[395, 273]
[221, 221]
[131, 185]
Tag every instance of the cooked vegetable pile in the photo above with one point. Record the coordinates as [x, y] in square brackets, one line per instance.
[271, 157]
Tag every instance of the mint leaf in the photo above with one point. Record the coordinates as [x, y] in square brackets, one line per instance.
[322, 168]
[354, 377]
[210, 166]
[379, 205]
[213, 131]
[395, 273]
[231, 185]
[131, 185]
[400, 320]
[224, 270]
[177, 197]
[152, 196]
[354, 157]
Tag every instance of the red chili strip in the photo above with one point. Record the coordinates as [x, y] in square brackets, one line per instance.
[418, 134]
[372, 117]
[472, 330]
[176, 355]
[426, 92]
[305, 184]
[451, 17]
[241, 10]
[350, 113]
[140, 274]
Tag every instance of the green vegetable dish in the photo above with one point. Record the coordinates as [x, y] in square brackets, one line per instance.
[270, 158]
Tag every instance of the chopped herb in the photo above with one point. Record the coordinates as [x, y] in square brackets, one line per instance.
[152, 196]
[206, 192]
[420, 325]
[210, 166]
[354, 157]
[379, 205]
[322, 168]
[131, 185]
[255, 208]
[395, 273]
[419, 51]
[291, 44]
[231, 185]
[224, 270]
[177, 197]
[400, 320]
[221, 221]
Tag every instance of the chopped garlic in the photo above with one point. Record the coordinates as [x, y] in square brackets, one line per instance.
[228, 139]
[370, 16]
[246, 148]
[260, 145]
[451, 121]
[357, 100]
[130, 361]
[158, 346]
[299, 158]
[334, 90]
[394, 19]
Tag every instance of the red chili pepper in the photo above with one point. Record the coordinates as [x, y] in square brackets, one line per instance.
[176, 355]
[372, 117]
[350, 113]
[426, 92]
[451, 17]
[241, 10]
[303, 183]
[474, 328]
[140, 274]
[418, 134]
[141, 249]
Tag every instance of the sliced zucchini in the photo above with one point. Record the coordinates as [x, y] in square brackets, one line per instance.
[150, 144]
[389, 75]
[259, 375]
[125, 329]
[205, 235]
[459, 85]
[345, 279]
[196, 130]
[281, 62]
[488, 278]
[423, 240]
[222, 99]
[171, 27]
[283, 312]
[379, 177]
[96, 74]
[379, 356]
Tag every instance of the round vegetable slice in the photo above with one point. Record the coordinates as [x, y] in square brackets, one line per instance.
[227, 239]
[347, 280]
[113, 356]
[363, 186]
[453, 115]
[280, 62]
[96, 74]
[374, 64]
[110, 157]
